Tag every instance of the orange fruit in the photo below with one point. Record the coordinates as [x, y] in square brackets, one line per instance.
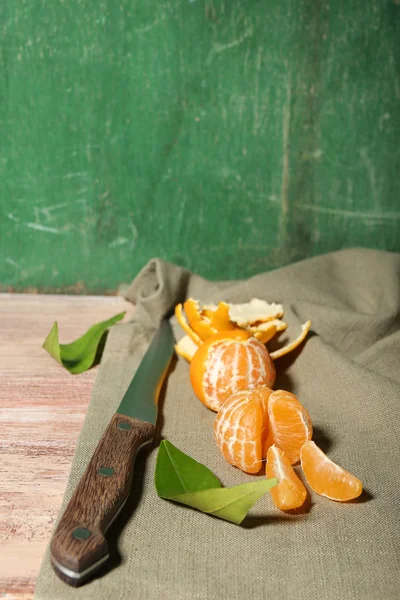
[289, 424]
[290, 491]
[240, 427]
[228, 362]
[327, 478]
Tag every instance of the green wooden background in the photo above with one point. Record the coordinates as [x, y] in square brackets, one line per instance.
[229, 136]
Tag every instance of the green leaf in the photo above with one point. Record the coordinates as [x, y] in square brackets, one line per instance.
[231, 504]
[177, 473]
[182, 479]
[79, 356]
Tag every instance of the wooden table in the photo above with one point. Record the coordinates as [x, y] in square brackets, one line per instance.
[42, 408]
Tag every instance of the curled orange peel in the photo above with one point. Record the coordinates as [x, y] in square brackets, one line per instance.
[201, 325]
[258, 318]
[220, 318]
[254, 312]
[266, 334]
[203, 329]
[207, 312]
[186, 348]
[192, 310]
[185, 326]
[280, 325]
[305, 328]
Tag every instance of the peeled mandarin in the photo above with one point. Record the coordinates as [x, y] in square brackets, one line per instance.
[229, 362]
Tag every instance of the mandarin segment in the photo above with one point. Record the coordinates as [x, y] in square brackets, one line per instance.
[240, 426]
[227, 363]
[326, 477]
[290, 424]
[290, 492]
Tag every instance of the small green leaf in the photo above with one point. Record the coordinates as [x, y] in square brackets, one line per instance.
[231, 504]
[51, 343]
[182, 479]
[79, 356]
[177, 473]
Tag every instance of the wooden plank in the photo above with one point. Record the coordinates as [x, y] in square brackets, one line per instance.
[42, 408]
[229, 136]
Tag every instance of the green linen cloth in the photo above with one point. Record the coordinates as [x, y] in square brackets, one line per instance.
[348, 377]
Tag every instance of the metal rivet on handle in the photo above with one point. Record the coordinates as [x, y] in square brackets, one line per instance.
[81, 533]
[124, 426]
[106, 471]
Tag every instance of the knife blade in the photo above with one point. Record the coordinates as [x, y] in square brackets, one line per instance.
[79, 546]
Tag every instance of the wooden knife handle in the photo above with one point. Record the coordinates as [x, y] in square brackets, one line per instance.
[79, 547]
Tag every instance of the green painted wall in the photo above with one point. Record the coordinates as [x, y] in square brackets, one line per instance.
[230, 136]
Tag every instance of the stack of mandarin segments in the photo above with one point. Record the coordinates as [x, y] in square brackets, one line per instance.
[233, 373]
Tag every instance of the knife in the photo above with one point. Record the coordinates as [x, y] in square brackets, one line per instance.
[79, 547]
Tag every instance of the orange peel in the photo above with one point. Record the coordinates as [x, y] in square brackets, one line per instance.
[186, 348]
[259, 318]
[203, 329]
[305, 328]
[280, 325]
[206, 312]
[192, 310]
[255, 311]
[185, 326]
[266, 334]
[200, 324]
[220, 318]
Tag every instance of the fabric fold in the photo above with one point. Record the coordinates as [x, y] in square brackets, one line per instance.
[157, 288]
[347, 376]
